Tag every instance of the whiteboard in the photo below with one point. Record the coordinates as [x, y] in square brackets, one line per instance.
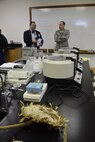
[79, 20]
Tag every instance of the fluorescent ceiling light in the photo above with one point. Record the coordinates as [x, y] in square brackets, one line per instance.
[81, 23]
[80, 8]
[45, 10]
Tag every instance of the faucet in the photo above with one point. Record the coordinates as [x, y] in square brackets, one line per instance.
[2, 83]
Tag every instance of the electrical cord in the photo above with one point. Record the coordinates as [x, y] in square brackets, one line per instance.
[76, 92]
[47, 99]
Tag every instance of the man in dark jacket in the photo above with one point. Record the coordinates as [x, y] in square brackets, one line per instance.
[3, 47]
[32, 37]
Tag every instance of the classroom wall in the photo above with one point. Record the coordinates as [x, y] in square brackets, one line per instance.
[14, 15]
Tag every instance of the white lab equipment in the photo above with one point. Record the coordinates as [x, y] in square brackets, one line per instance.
[35, 97]
[19, 76]
[57, 67]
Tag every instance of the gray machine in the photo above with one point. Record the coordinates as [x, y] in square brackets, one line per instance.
[29, 52]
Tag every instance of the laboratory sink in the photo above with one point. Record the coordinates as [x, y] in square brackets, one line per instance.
[9, 118]
[3, 107]
[3, 114]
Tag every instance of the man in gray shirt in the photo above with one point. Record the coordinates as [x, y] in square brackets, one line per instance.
[61, 36]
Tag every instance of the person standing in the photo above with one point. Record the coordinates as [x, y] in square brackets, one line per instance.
[61, 36]
[3, 47]
[32, 37]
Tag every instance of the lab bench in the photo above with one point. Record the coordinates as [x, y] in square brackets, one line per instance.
[80, 111]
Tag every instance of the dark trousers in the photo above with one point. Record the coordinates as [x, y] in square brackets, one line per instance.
[2, 57]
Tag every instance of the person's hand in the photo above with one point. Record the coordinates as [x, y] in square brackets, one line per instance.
[34, 41]
[40, 44]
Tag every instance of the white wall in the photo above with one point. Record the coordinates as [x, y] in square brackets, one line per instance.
[14, 18]
[14, 15]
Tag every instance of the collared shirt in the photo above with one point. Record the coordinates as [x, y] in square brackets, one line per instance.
[34, 36]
